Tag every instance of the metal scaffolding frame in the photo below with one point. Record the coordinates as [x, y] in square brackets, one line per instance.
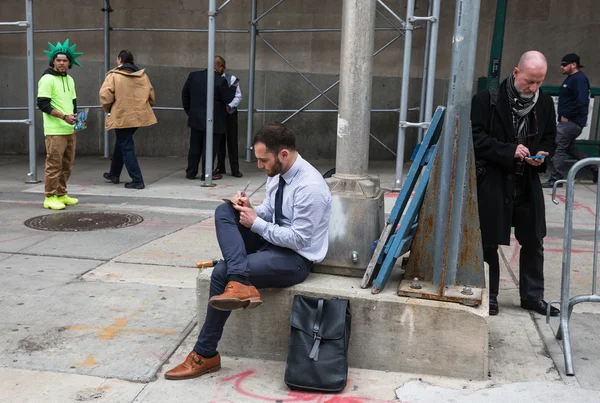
[405, 28]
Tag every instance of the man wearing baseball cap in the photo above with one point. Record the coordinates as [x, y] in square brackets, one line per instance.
[573, 108]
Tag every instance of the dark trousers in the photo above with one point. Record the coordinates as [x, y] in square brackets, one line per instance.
[231, 141]
[531, 259]
[566, 134]
[196, 151]
[124, 154]
[246, 254]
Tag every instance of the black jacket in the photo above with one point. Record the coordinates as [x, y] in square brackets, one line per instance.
[496, 147]
[193, 97]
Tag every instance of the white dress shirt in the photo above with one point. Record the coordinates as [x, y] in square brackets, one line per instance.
[306, 212]
[238, 92]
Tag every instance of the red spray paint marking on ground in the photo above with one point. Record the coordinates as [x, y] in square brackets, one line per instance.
[293, 396]
[516, 245]
[576, 204]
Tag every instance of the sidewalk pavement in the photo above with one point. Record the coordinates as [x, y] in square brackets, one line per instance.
[100, 316]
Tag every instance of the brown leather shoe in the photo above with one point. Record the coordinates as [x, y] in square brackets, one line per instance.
[194, 366]
[236, 295]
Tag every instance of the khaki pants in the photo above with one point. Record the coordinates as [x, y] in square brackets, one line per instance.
[60, 156]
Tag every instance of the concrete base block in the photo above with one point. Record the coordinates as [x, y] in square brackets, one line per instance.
[389, 332]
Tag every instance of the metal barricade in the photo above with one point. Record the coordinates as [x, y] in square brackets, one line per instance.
[566, 302]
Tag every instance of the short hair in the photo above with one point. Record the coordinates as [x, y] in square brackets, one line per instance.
[219, 61]
[275, 136]
[126, 56]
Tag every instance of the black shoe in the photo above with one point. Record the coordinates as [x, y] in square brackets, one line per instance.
[493, 306]
[595, 176]
[110, 178]
[219, 172]
[550, 184]
[133, 185]
[190, 177]
[237, 174]
[539, 306]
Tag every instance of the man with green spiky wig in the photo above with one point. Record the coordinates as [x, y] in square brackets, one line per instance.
[58, 102]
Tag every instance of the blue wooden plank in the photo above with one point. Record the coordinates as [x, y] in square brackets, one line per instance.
[422, 157]
[403, 237]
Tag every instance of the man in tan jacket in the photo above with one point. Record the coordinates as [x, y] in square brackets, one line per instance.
[127, 97]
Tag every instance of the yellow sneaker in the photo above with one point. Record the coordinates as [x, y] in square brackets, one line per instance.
[67, 201]
[53, 203]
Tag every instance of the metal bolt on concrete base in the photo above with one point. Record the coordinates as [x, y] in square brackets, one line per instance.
[416, 284]
[467, 291]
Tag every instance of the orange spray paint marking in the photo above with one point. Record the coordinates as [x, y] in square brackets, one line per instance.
[89, 362]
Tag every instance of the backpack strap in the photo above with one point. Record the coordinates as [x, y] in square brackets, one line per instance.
[314, 353]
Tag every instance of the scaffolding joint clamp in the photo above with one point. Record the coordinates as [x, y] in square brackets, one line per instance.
[430, 18]
[423, 125]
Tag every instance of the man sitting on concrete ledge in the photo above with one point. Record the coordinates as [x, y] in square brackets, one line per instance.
[271, 246]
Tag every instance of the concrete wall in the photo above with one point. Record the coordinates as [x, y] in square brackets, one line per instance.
[168, 57]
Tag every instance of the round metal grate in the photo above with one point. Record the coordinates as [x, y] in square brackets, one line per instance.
[83, 221]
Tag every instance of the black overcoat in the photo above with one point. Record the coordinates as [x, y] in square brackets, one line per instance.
[193, 98]
[494, 143]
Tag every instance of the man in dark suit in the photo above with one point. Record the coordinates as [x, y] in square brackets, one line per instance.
[513, 135]
[193, 97]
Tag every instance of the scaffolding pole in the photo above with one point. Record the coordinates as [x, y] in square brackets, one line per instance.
[251, 83]
[410, 8]
[210, 94]
[433, 45]
[31, 95]
[425, 74]
[106, 31]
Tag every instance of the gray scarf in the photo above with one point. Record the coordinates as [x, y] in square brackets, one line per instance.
[521, 107]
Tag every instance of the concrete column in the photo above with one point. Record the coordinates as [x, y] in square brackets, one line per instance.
[357, 201]
[356, 77]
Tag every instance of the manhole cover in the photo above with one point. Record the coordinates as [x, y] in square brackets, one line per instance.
[83, 221]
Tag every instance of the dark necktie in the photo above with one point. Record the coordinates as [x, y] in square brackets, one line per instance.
[279, 201]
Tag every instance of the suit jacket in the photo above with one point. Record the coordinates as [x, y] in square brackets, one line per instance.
[193, 97]
[494, 145]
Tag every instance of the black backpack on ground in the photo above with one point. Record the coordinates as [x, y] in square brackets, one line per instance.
[318, 351]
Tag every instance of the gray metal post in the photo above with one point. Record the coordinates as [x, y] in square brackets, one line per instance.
[106, 31]
[453, 172]
[251, 81]
[31, 94]
[410, 8]
[425, 73]
[356, 76]
[435, 28]
[210, 93]
[357, 214]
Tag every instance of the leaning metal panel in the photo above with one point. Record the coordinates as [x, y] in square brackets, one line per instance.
[81, 221]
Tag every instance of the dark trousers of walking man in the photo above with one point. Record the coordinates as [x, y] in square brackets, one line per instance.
[566, 134]
[124, 154]
[229, 140]
[531, 257]
[196, 152]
